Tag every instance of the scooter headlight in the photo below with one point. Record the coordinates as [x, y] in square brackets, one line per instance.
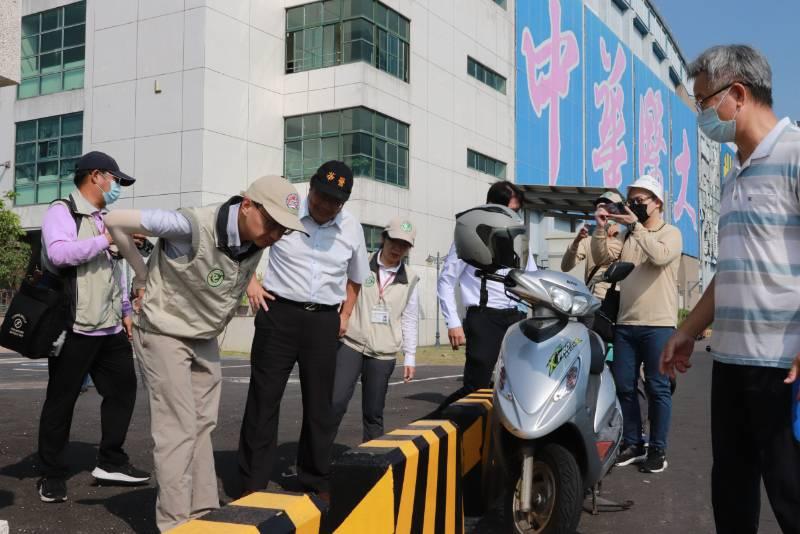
[561, 298]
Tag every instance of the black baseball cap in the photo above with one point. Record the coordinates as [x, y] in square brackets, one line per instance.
[103, 162]
[334, 178]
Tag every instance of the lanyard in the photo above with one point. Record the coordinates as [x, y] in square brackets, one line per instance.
[382, 288]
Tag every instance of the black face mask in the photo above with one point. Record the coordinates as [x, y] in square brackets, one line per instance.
[640, 210]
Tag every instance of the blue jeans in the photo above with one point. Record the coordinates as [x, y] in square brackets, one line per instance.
[634, 345]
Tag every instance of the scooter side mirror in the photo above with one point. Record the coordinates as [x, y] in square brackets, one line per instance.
[618, 271]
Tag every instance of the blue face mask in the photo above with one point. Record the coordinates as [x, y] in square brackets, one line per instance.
[715, 128]
[112, 194]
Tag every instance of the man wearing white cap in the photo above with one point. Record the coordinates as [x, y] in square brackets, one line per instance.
[580, 249]
[384, 322]
[647, 316]
[200, 268]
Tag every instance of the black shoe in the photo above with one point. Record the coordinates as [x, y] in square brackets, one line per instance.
[52, 489]
[630, 455]
[123, 475]
[656, 461]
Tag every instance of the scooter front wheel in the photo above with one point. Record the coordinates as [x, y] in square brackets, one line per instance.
[556, 495]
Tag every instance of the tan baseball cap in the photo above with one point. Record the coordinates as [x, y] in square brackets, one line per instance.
[401, 228]
[609, 197]
[279, 198]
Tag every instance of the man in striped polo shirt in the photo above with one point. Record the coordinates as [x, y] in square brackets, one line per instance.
[755, 313]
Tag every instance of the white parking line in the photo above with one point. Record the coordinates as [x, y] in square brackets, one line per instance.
[425, 379]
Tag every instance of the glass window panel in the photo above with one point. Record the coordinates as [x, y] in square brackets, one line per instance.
[357, 8]
[294, 160]
[362, 119]
[294, 127]
[25, 196]
[290, 57]
[380, 149]
[299, 53]
[74, 13]
[402, 134]
[402, 176]
[393, 65]
[48, 149]
[391, 173]
[294, 18]
[361, 165]
[51, 41]
[380, 14]
[76, 35]
[329, 45]
[24, 174]
[49, 128]
[51, 19]
[30, 46]
[25, 153]
[391, 129]
[348, 144]
[330, 11]
[330, 122]
[471, 67]
[30, 25]
[74, 57]
[313, 14]
[404, 28]
[364, 143]
[470, 159]
[30, 66]
[48, 171]
[311, 153]
[380, 125]
[46, 193]
[50, 62]
[67, 187]
[26, 131]
[70, 146]
[501, 170]
[391, 153]
[347, 120]
[311, 125]
[380, 170]
[312, 43]
[402, 157]
[73, 79]
[330, 149]
[393, 21]
[68, 166]
[501, 86]
[72, 124]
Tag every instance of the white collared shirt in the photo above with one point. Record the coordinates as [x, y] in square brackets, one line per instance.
[316, 267]
[408, 320]
[455, 271]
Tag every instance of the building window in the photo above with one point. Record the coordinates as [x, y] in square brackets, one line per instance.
[479, 162]
[53, 51]
[486, 75]
[45, 156]
[501, 3]
[372, 237]
[372, 144]
[334, 32]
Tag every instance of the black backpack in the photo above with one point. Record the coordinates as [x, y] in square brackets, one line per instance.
[41, 312]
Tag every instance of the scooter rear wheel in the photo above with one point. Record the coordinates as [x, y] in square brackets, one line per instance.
[557, 495]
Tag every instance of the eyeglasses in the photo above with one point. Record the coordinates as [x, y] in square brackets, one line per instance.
[270, 223]
[639, 200]
[699, 103]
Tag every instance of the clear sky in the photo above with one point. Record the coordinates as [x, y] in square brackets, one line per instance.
[768, 25]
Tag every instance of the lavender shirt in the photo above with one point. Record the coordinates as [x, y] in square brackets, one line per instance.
[65, 250]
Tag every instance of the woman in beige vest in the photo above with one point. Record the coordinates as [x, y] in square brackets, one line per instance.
[383, 323]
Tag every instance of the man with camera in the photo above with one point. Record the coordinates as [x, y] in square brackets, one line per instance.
[647, 316]
[580, 250]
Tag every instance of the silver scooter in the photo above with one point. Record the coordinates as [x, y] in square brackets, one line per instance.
[558, 424]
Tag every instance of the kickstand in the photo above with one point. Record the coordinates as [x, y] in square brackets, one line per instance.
[599, 504]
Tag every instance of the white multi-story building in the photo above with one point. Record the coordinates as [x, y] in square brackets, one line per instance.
[197, 98]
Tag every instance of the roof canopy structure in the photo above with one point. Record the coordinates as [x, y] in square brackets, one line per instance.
[575, 202]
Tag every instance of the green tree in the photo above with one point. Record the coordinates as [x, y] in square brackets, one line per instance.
[14, 251]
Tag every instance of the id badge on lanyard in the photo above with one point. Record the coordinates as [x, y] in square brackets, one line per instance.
[381, 311]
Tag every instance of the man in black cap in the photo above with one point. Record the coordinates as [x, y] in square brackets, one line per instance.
[310, 287]
[76, 256]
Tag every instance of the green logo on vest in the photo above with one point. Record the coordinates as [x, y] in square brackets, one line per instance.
[370, 281]
[215, 277]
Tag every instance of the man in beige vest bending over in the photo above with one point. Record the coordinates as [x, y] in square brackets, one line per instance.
[580, 250]
[197, 274]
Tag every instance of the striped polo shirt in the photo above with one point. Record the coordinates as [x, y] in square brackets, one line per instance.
[757, 286]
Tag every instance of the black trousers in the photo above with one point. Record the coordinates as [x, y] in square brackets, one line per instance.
[109, 361]
[484, 329]
[375, 374]
[284, 335]
[752, 439]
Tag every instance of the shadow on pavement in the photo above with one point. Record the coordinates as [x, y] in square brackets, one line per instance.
[79, 457]
[136, 507]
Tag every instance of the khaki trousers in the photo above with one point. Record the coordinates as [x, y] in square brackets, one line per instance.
[183, 380]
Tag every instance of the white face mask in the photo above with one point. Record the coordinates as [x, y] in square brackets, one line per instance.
[715, 128]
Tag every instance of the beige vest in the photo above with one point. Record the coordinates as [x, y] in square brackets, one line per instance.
[195, 297]
[94, 286]
[380, 340]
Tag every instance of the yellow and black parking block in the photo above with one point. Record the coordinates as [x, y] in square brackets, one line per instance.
[480, 479]
[405, 481]
[261, 513]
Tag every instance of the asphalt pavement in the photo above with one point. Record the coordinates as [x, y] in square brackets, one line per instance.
[677, 500]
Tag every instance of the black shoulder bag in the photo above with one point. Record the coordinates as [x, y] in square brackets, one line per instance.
[605, 319]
